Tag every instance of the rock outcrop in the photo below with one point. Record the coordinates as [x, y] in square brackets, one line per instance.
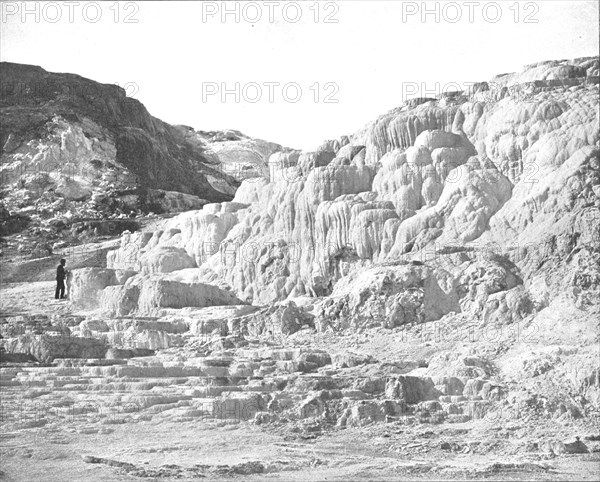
[448, 182]
[388, 296]
[423, 213]
[73, 129]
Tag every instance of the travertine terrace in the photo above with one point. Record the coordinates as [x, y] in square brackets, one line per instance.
[418, 299]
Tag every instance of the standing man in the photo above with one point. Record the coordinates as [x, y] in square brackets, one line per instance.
[60, 280]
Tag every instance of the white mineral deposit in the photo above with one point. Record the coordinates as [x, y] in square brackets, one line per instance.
[415, 298]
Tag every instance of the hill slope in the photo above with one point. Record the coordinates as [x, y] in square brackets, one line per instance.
[52, 121]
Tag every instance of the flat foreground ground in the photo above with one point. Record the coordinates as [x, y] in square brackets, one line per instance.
[170, 445]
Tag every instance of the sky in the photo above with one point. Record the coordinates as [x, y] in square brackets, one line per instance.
[295, 73]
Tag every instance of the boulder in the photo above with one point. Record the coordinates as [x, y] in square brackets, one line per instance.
[86, 284]
[410, 389]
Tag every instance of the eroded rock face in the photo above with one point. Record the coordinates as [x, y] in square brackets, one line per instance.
[239, 156]
[279, 319]
[493, 290]
[388, 296]
[442, 181]
[82, 141]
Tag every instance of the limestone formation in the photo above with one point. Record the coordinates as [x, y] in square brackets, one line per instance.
[46, 348]
[388, 296]
[87, 284]
[476, 171]
[439, 266]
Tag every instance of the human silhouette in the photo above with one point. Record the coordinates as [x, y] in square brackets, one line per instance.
[61, 274]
